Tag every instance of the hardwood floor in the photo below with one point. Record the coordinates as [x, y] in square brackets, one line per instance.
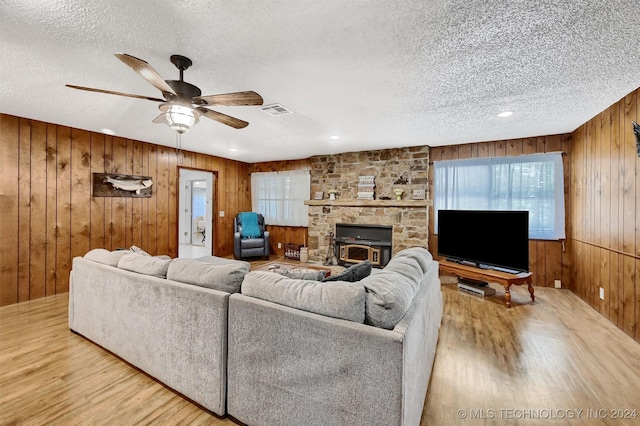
[530, 364]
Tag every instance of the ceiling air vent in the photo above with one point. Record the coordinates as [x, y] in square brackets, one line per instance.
[275, 109]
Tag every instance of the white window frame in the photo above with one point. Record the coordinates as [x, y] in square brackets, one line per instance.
[280, 196]
[532, 182]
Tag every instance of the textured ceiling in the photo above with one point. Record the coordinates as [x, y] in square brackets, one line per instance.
[379, 74]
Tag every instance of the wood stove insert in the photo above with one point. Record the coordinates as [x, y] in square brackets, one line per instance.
[355, 243]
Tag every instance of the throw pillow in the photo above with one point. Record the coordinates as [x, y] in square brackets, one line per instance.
[250, 227]
[138, 250]
[302, 274]
[352, 273]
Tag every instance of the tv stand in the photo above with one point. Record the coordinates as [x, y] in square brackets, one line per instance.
[503, 278]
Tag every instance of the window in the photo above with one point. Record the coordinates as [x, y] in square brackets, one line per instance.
[280, 197]
[527, 182]
[198, 202]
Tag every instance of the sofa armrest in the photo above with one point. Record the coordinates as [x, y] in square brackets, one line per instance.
[420, 326]
[266, 243]
[236, 244]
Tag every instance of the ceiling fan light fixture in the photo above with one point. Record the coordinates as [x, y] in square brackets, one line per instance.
[180, 118]
[183, 104]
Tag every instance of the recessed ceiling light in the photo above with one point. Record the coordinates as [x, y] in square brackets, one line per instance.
[233, 149]
[334, 137]
[505, 114]
[108, 131]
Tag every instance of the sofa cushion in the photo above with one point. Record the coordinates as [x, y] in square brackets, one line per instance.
[143, 264]
[224, 277]
[249, 243]
[391, 291]
[215, 260]
[353, 273]
[419, 255]
[341, 299]
[106, 257]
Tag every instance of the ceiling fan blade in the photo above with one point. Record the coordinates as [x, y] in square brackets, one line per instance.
[223, 118]
[146, 71]
[230, 99]
[111, 92]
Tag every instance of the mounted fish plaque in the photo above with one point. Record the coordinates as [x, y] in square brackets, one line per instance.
[115, 185]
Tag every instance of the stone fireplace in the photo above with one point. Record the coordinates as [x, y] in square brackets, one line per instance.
[405, 168]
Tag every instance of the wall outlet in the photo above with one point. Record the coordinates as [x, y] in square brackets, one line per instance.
[601, 293]
[221, 214]
[557, 283]
[279, 245]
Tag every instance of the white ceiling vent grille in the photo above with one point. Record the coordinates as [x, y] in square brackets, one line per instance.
[276, 109]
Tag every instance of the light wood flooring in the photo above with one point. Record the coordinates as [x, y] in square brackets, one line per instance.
[531, 364]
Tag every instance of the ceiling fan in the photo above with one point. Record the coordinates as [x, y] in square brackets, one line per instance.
[183, 104]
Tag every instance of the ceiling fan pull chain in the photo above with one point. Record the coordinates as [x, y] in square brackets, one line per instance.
[179, 148]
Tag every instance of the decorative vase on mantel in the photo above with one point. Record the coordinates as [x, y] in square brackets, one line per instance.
[398, 192]
[332, 195]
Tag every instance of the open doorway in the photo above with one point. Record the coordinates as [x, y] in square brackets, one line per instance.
[198, 216]
[195, 222]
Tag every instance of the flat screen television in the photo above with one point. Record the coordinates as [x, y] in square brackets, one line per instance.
[485, 238]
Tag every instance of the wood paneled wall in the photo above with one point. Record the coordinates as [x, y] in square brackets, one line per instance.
[49, 216]
[604, 243]
[283, 234]
[548, 261]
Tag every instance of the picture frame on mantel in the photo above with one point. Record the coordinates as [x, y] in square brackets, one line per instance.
[319, 195]
[418, 194]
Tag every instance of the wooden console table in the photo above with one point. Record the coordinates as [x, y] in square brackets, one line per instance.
[504, 278]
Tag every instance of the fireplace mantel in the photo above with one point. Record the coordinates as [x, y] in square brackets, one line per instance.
[370, 203]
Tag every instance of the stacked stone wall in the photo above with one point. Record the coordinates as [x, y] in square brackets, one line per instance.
[405, 168]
